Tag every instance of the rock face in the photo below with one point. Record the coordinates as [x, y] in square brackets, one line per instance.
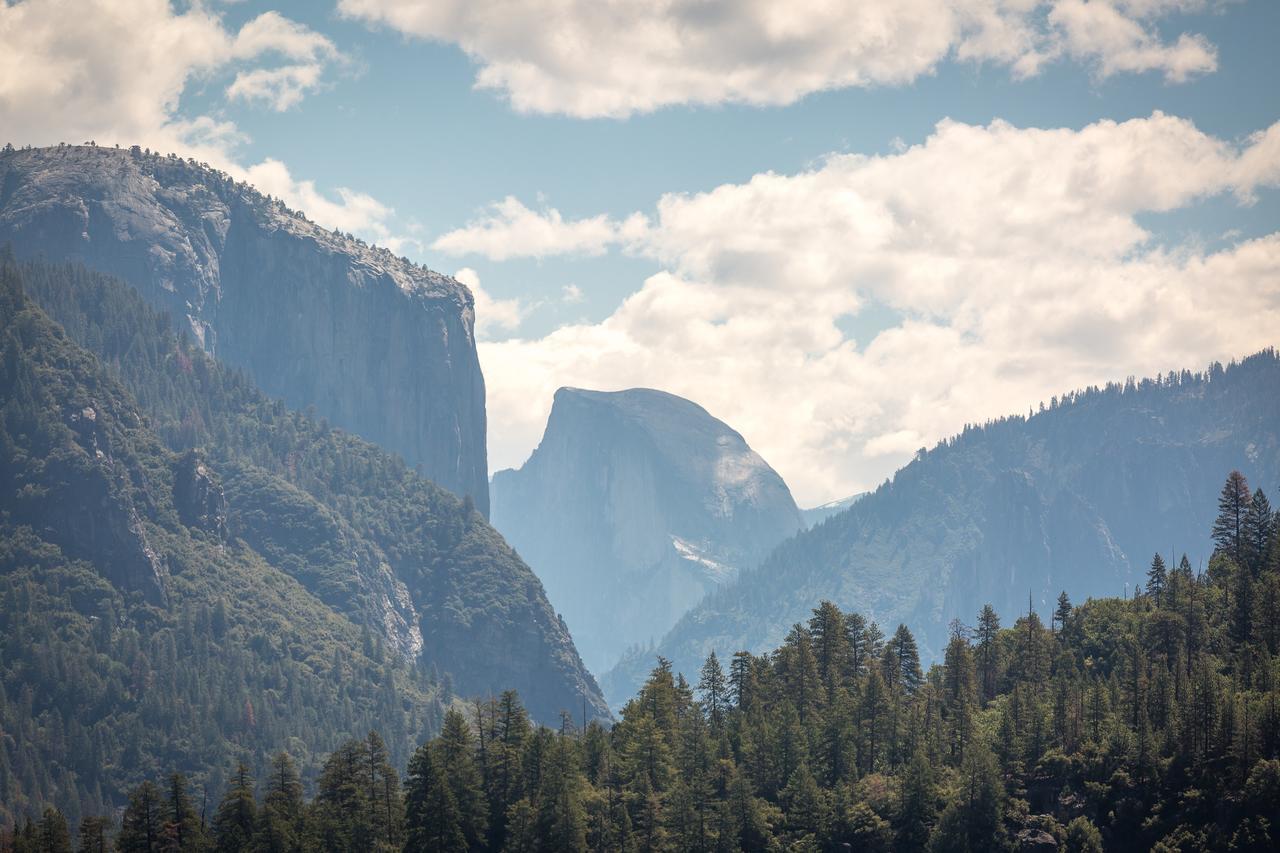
[340, 520]
[1077, 498]
[634, 506]
[198, 496]
[379, 346]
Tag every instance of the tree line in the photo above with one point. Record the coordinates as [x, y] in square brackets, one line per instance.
[1144, 723]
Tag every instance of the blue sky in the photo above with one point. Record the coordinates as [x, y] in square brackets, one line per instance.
[405, 124]
[864, 282]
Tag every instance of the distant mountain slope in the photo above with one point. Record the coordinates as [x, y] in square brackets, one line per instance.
[380, 346]
[133, 634]
[414, 565]
[1077, 498]
[818, 514]
[634, 505]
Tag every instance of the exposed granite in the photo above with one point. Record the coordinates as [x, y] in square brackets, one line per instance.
[380, 346]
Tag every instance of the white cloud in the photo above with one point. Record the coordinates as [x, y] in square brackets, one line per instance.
[511, 230]
[286, 85]
[492, 314]
[571, 294]
[589, 59]
[1015, 257]
[1118, 43]
[114, 71]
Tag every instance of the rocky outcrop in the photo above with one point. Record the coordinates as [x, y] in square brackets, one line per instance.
[634, 506]
[1077, 498]
[198, 495]
[378, 345]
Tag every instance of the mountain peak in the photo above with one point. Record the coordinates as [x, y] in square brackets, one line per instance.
[635, 504]
[378, 345]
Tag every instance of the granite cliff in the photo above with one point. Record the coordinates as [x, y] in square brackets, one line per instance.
[1078, 497]
[634, 506]
[415, 568]
[378, 345]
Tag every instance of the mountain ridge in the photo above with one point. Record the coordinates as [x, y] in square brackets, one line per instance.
[381, 346]
[418, 567]
[1077, 497]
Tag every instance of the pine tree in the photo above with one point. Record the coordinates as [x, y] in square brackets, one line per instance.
[233, 822]
[455, 755]
[1257, 525]
[432, 821]
[1228, 527]
[562, 817]
[342, 809]
[988, 653]
[831, 646]
[1157, 579]
[94, 832]
[971, 820]
[1062, 612]
[143, 821]
[919, 804]
[182, 831]
[714, 690]
[55, 837]
[279, 826]
[386, 806]
[798, 670]
[960, 693]
[901, 660]
[742, 680]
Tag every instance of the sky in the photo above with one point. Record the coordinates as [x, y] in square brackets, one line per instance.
[846, 229]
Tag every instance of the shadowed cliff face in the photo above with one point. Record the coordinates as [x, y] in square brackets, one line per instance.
[634, 506]
[379, 346]
[1078, 498]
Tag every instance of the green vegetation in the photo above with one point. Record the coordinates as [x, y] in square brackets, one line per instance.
[1151, 723]
[131, 641]
[366, 534]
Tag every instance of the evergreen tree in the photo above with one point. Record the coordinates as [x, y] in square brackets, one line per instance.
[1256, 532]
[972, 818]
[432, 821]
[455, 755]
[1157, 579]
[54, 835]
[386, 805]
[1062, 612]
[182, 831]
[1082, 837]
[830, 638]
[714, 690]
[901, 660]
[919, 806]
[342, 809]
[95, 834]
[234, 821]
[142, 825]
[1228, 527]
[988, 653]
[279, 827]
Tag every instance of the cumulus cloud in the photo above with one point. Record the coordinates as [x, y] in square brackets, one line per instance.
[512, 230]
[492, 314]
[286, 85]
[115, 70]
[586, 58]
[1014, 257]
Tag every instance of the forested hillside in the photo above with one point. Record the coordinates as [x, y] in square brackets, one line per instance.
[283, 586]
[1075, 496]
[1142, 723]
[360, 529]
